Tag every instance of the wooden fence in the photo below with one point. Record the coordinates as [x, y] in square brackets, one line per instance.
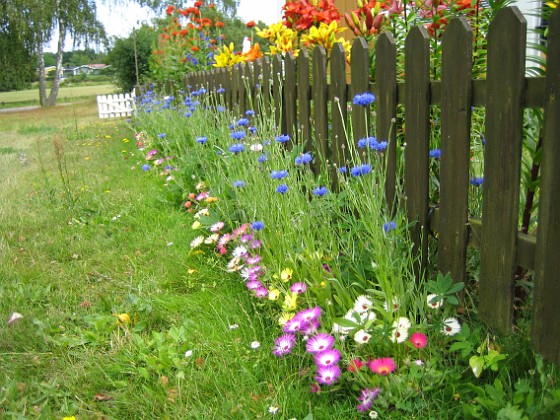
[111, 106]
[301, 103]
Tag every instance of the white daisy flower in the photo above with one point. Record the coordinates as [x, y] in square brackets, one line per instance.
[239, 251]
[273, 410]
[203, 212]
[255, 345]
[434, 304]
[256, 147]
[393, 307]
[362, 304]
[368, 316]
[196, 242]
[361, 337]
[212, 238]
[188, 353]
[451, 326]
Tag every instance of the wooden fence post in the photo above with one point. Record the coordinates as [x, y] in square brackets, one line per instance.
[277, 93]
[546, 308]
[456, 81]
[303, 88]
[359, 73]
[417, 137]
[290, 102]
[502, 167]
[386, 90]
[339, 101]
[320, 108]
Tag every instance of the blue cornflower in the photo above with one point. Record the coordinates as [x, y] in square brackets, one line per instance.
[360, 170]
[282, 138]
[303, 159]
[320, 191]
[364, 99]
[477, 181]
[389, 226]
[262, 158]
[379, 146]
[236, 148]
[435, 153]
[243, 122]
[282, 188]
[220, 108]
[202, 140]
[253, 130]
[342, 170]
[249, 112]
[279, 174]
[238, 135]
[145, 167]
[231, 126]
[258, 225]
[220, 90]
[162, 135]
[239, 184]
[187, 114]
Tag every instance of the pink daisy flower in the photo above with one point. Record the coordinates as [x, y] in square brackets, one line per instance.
[254, 259]
[216, 227]
[293, 325]
[261, 292]
[419, 340]
[253, 284]
[284, 344]
[327, 357]
[382, 366]
[327, 374]
[310, 314]
[309, 328]
[319, 343]
[298, 287]
[367, 397]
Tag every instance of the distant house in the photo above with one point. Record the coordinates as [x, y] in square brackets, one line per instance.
[85, 69]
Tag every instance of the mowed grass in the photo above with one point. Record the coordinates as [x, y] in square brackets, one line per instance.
[66, 94]
[120, 321]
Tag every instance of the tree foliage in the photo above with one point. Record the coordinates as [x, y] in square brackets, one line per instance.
[121, 57]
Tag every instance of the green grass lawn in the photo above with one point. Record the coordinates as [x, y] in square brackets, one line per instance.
[120, 321]
[66, 94]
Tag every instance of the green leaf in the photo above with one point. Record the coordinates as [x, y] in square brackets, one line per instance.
[477, 365]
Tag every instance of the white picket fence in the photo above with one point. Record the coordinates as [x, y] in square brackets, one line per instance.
[111, 106]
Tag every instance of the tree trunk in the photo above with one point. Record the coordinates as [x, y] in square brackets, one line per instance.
[51, 100]
[42, 75]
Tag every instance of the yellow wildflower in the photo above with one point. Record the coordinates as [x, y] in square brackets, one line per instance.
[285, 317]
[325, 35]
[290, 301]
[122, 319]
[227, 57]
[274, 294]
[286, 274]
[196, 225]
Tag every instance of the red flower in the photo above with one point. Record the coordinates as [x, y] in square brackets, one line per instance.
[382, 366]
[198, 3]
[251, 24]
[170, 10]
[195, 48]
[219, 24]
[419, 340]
[355, 365]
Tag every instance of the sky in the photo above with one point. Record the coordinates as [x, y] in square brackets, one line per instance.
[120, 20]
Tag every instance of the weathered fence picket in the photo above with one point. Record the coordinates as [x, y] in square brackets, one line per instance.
[455, 148]
[303, 102]
[118, 105]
